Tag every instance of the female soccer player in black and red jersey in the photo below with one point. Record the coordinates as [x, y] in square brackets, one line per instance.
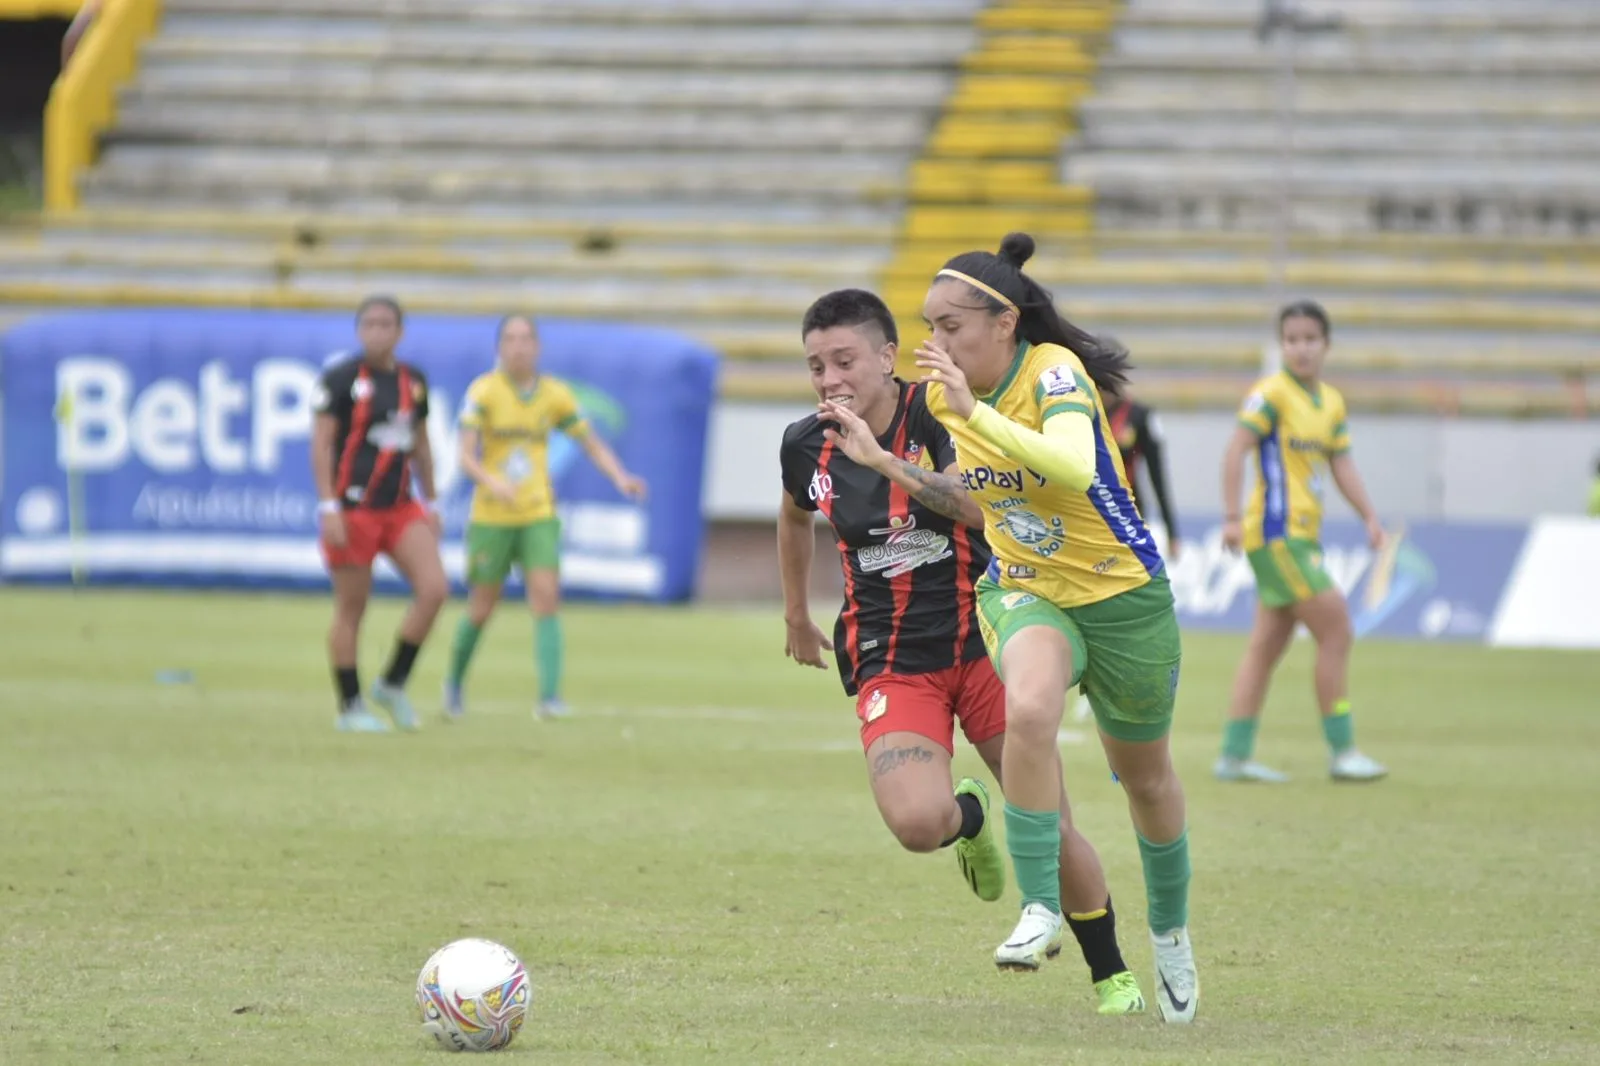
[881, 470]
[369, 437]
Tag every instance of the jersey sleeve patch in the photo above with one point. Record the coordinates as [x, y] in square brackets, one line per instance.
[1058, 381]
[1257, 414]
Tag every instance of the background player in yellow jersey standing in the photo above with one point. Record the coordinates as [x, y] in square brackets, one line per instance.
[505, 429]
[1076, 591]
[1294, 422]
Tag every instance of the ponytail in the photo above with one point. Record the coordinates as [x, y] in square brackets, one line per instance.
[999, 282]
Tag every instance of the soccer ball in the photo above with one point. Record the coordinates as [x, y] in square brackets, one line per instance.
[474, 995]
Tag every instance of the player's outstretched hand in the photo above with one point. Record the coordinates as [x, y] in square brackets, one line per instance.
[941, 368]
[333, 534]
[804, 642]
[853, 436]
[632, 487]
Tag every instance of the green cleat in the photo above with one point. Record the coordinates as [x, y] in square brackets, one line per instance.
[982, 863]
[1119, 994]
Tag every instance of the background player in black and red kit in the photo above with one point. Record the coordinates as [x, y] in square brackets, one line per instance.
[369, 438]
[1143, 446]
[882, 471]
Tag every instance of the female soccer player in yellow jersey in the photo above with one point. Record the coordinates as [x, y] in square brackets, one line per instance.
[505, 429]
[1294, 422]
[1076, 592]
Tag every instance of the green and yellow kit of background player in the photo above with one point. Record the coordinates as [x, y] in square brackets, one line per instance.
[1081, 562]
[514, 427]
[1298, 430]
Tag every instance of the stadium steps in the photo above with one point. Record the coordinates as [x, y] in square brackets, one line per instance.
[989, 164]
[1447, 117]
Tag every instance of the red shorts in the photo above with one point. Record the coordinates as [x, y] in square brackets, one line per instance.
[929, 705]
[371, 532]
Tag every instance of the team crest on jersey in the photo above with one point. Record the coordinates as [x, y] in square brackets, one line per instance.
[877, 706]
[1035, 533]
[917, 455]
[1058, 381]
[360, 389]
[906, 548]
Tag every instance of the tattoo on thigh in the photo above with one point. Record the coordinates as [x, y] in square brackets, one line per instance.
[893, 758]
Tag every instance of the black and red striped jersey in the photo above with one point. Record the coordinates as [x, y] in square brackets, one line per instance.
[380, 414]
[908, 570]
[1138, 434]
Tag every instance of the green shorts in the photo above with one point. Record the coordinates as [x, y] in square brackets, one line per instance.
[1289, 572]
[1125, 650]
[493, 550]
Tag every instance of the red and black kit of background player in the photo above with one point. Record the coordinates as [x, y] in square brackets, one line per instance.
[369, 442]
[908, 569]
[1138, 434]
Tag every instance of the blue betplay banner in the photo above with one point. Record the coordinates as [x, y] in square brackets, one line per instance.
[185, 435]
[1433, 580]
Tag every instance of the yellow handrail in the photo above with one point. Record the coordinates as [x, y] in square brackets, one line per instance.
[83, 100]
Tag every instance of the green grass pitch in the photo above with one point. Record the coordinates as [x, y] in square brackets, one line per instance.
[694, 872]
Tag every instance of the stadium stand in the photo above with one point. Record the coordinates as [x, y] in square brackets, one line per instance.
[713, 164]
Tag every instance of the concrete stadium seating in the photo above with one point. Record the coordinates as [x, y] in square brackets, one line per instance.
[715, 164]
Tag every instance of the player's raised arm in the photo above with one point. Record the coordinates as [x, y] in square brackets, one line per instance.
[939, 491]
[1062, 449]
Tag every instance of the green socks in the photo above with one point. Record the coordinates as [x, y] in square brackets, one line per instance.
[1239, 738]
[547, 645]
[1340, 728]
[1034, 840]
[1166, 882]
[461, 649]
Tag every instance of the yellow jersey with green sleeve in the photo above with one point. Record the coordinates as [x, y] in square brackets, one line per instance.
[1298, 430]
[1070, 548]
[515, 426]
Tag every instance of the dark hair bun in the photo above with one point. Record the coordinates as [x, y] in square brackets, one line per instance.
[1016, 249]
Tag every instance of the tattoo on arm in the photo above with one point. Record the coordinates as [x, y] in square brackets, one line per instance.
[941, 492]
[892, 759]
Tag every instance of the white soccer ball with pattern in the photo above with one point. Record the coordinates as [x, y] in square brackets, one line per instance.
[474, 995]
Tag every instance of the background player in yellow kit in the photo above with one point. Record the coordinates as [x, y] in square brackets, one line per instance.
[1076, 591]
[505, 429]
[1294, 423]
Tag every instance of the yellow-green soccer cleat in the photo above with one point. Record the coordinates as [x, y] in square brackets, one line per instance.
[1119, 994]
[982, 863]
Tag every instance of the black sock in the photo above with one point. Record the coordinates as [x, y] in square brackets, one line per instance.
[405, 656]
[1097, 937]
[971, 818]
[348, 684]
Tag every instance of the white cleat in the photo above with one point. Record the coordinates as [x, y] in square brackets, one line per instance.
[1353, 766]
[1177, 983]
[1228, 768]
[1036, 938]
[548, 709]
